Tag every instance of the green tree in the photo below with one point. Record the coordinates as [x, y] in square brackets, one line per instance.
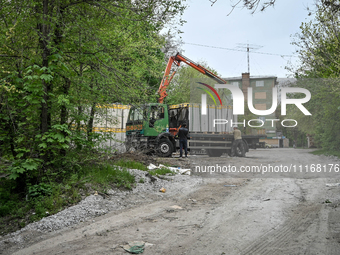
[319, 45]
[184, 81]
[59, 61]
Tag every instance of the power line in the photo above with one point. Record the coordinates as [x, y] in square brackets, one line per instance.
[254, 52]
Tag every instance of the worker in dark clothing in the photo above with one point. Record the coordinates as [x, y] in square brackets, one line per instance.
[183, 140]
[237, 144]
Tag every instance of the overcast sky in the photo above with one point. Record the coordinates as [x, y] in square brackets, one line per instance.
[272, 30]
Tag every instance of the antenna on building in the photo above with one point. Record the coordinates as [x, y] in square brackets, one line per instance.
[249, 46]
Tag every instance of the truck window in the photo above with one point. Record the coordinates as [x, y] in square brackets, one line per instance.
[136, 114]
[157, 112]
[183, 116]
[173, 118]
[130, 117]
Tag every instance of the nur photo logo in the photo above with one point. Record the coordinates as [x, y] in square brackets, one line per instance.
[238, 102]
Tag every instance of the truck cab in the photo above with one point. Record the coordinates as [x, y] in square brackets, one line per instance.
[147, 128]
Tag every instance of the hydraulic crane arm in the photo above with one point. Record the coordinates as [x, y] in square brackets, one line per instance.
[177, 59]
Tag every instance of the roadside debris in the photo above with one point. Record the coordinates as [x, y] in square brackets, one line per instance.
[177, 170]
[135, 247]
[193, 201]
[162, 190]
[176, 207]
[332, 184]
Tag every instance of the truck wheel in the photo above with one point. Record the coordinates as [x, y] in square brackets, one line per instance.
[215, 153]
[165, 148]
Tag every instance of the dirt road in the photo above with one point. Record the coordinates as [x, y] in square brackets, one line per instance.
[224, 215]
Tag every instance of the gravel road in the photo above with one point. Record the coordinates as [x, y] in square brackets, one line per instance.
[231, 212]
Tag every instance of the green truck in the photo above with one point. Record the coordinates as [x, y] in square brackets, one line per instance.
[153, 127]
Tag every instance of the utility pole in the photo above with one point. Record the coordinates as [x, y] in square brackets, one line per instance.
[249, 46]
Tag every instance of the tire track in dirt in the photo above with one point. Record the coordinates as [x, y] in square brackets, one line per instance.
[272, 242]
[334, 232]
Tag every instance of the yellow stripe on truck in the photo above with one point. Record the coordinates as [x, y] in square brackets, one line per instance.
[113, 130]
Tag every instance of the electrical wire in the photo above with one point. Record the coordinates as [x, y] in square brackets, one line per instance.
[253, 52]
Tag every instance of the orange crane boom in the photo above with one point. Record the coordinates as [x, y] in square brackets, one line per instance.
[177, 59]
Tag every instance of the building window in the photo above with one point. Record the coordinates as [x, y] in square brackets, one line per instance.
[235, 83]
[260, 95]
[260, 106]
[259, 83]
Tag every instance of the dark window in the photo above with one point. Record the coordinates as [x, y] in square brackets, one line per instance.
[157, 112]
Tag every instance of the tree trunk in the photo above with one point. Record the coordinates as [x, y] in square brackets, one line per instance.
[44, 41]
[63, 111]
[44, 30]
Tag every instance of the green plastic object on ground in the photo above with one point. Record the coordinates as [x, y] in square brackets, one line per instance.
[135, 247]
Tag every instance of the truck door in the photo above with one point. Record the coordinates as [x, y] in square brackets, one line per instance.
[158, 120]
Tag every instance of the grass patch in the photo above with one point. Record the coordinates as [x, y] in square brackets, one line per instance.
[49, 197]
[130, 164]
[161, 171]
[326, 153]
[107, 176]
